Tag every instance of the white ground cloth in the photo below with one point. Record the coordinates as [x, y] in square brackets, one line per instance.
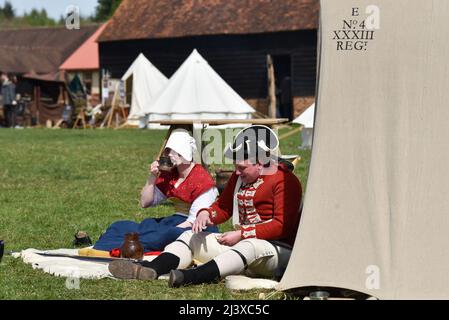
[66, 267]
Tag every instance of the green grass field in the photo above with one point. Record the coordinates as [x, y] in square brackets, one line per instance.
[55, 182]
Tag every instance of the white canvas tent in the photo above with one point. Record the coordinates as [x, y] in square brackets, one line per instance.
[196, 91]
[306, 120]
[148, 82]
[376, 211]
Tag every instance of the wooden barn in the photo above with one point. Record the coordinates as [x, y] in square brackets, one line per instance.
[239, 39]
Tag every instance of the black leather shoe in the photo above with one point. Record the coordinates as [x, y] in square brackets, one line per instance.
[82, 239]
[176, 279]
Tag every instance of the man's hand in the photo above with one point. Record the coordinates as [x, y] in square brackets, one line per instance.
[201, 222]
[230, 238]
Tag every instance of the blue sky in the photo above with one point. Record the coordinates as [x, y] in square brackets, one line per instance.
[55, 8]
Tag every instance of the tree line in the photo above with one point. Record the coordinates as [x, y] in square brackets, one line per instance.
[39, 18]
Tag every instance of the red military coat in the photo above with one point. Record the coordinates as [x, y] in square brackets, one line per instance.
[268, 209]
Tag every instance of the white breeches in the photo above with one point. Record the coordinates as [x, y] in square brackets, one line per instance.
[254, 256]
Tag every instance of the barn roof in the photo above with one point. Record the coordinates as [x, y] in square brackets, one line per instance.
[146, 19]
[86, 57]
[39, 50]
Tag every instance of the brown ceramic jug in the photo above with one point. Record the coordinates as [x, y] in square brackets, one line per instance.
[131, 247]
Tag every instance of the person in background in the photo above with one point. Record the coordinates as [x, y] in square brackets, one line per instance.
[8, 92]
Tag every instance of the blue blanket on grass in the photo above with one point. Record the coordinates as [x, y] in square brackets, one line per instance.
[154, 233]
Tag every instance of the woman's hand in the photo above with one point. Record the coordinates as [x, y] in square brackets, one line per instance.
[154, 168]
[230, 238]
[147, 193]
[202, 221]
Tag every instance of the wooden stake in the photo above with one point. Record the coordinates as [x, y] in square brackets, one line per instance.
[164, 143]
[114, 100]
[271, 88]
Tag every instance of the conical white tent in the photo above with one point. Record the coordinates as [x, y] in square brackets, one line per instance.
[196, 91]
[306, 120]
[376, 209]
[148, 82]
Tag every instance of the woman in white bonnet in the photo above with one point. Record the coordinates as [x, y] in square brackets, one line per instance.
[188, 185]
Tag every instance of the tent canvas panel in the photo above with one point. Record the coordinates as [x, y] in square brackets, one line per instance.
[307, 117]
[375, 216]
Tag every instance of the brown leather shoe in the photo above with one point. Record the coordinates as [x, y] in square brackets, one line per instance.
[131, 270]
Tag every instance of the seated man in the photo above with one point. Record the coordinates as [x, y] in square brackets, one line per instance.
[262, 197]
[188, 185]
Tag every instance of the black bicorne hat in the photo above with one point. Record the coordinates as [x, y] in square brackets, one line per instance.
[258, 143]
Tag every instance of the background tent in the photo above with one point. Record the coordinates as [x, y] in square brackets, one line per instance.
[76, 86]
[375, 216]
[196, 91]
[147, 82]
[306, 120]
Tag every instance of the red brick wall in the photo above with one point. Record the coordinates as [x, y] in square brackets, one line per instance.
[261, 105]
[299, 104]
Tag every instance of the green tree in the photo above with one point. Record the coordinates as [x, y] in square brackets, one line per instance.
[38, 18]
[105, 9]
[8, 11]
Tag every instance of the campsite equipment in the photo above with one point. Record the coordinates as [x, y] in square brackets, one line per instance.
[2, 249]
[221, 178]
[131, 247]
[165, 163]
[81, 239]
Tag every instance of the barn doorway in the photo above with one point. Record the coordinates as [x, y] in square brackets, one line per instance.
[283, 82]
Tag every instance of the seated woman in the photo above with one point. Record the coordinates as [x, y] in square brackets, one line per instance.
[188, 185]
